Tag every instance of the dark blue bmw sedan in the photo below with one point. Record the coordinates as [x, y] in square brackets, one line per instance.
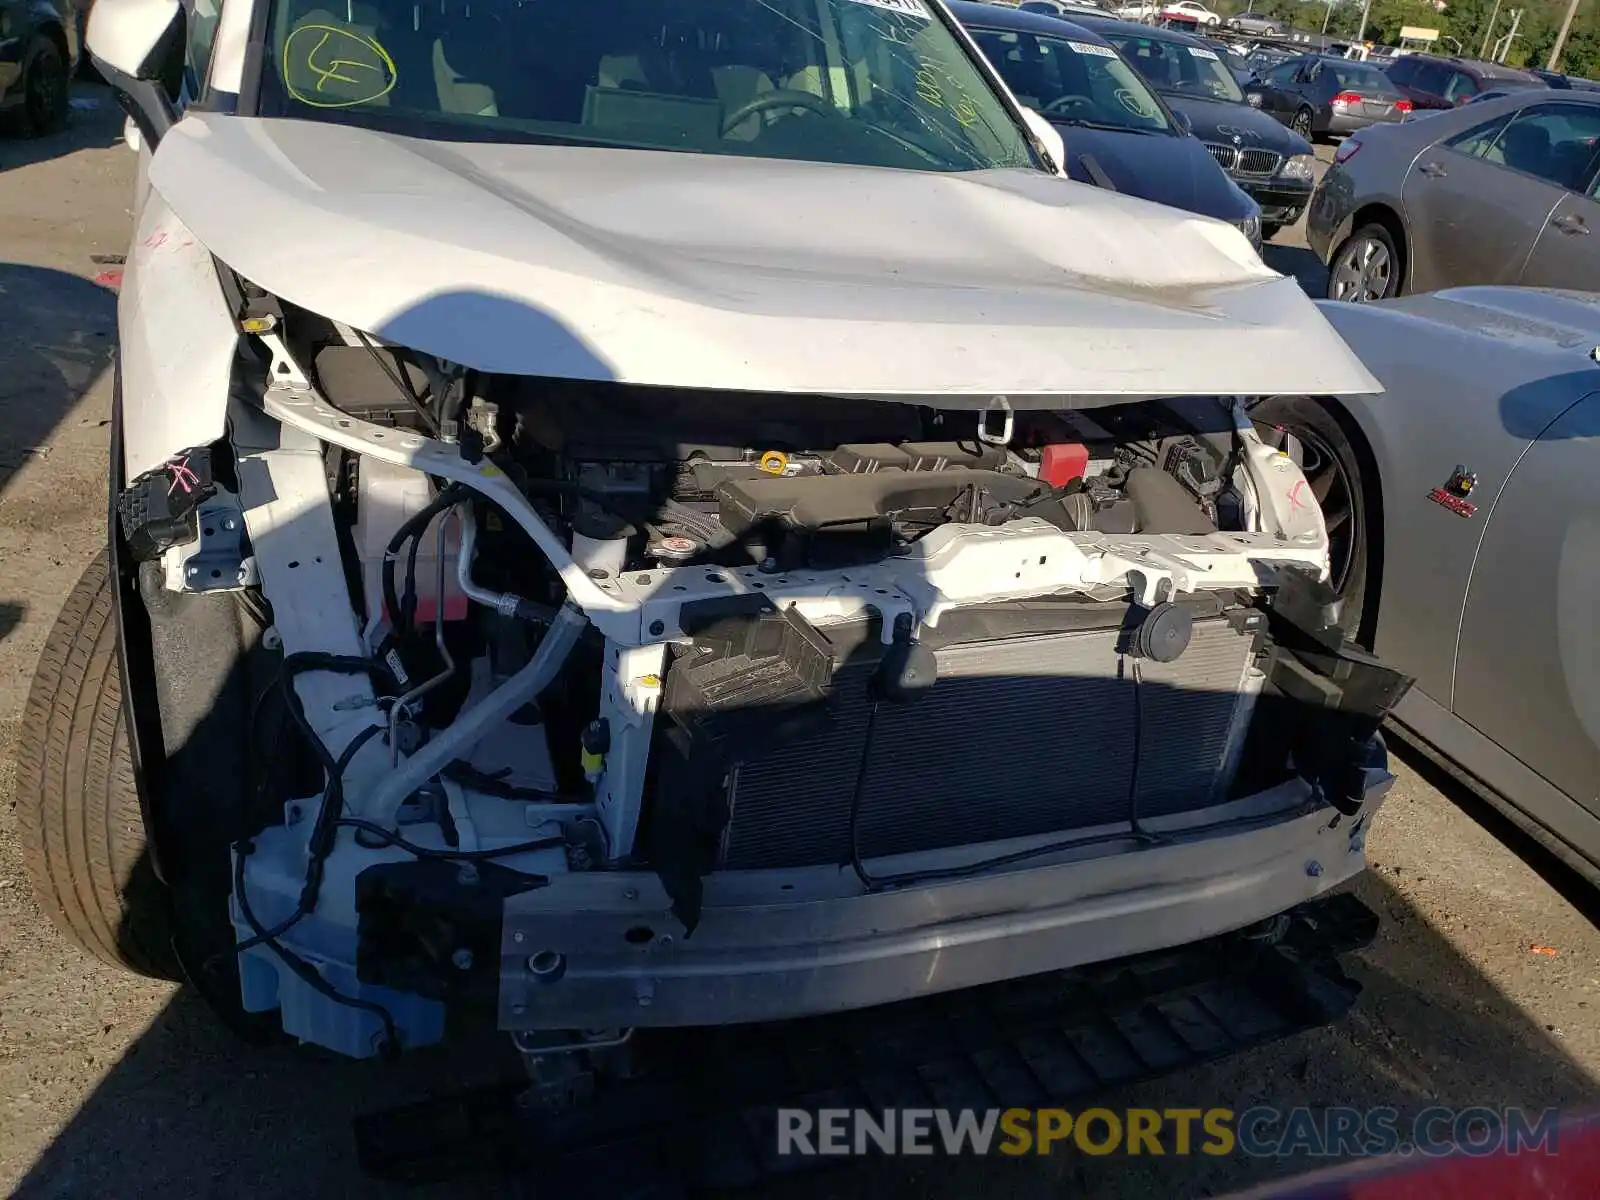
[1118, 133]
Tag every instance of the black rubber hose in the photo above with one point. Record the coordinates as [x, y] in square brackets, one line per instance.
[412, 528]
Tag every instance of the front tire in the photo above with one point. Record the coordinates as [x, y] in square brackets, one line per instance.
[1365, 267]
[1316, 440]
[83, 835]
[45, 85]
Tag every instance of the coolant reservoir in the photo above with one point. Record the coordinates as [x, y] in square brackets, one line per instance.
[386, 495]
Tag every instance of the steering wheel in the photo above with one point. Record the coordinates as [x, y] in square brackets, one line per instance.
[777, 98]
[1063, 103]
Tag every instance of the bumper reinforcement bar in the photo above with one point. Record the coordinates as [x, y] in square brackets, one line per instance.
[699, 1110]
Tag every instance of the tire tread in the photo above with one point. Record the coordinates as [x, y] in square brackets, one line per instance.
[83, 836]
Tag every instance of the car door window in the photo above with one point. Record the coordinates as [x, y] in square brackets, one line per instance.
[1555, 142]
[1400, 70]
[1476, 141]
[1432, 78]
[1284, 73]
[1460, 86]
[201, 17]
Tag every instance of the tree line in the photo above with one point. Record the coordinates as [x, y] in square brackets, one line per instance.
[1464, 26]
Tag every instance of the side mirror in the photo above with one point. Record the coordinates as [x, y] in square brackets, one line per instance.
[130, 42]
[1252, 97]
[127, 36]
[1181, 120]
[1049, 137]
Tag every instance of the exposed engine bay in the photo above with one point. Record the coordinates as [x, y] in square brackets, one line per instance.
[651, 477]
[542, 635]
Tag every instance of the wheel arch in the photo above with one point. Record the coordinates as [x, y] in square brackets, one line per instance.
[141, 712]
[1381, 214]
[1371, 484]
[56, 32]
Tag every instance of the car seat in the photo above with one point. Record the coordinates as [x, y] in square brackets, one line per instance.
[1525, 146]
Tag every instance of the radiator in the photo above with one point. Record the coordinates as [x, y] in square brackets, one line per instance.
[1022, 736]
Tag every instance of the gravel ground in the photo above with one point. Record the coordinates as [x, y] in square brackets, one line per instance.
[111, 1085]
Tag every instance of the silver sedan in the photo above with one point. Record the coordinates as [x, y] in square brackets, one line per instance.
[1500, 191]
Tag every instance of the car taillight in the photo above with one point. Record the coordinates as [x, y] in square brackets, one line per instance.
[1346, 151]
[1347, 98]
[1404, 106]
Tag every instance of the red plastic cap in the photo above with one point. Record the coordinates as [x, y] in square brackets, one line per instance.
[1405, 106]
[1062, 462]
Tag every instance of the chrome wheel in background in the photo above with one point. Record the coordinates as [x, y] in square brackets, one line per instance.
[1364, 268]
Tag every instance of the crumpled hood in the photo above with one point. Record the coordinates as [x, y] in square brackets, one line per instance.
[745, 273]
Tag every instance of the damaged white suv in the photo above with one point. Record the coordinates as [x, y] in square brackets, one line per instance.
[674, 512]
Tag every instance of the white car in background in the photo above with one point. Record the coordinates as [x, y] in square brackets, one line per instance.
[1137, 12]
[1188, 8]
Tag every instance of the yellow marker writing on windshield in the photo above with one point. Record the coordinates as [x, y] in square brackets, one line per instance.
[349, 68]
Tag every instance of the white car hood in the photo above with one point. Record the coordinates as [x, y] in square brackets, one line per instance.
[711, 271]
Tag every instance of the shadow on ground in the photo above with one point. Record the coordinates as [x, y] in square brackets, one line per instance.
[58, 332]
[1302, 264]
[190, 1110]
[95, 121]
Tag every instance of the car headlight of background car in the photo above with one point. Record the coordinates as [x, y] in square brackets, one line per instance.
[1299, 166]
[1251, 228]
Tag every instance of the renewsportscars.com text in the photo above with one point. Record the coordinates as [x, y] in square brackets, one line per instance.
[1259, 1132]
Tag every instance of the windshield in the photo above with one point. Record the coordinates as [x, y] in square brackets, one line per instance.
[867, 82]
[1179, 67]
[1072, 81]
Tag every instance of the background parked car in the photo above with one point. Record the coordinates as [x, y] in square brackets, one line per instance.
[1273, 165]
[1430, 82]
[1499, 191]
[38, 54]
[1065, 9]
[1115, 128]
[1556, 79]
[1258, 24]
[1317, 94]
[1475, 575]
[1195, 12]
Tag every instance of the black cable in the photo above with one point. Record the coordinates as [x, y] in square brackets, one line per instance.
[1138, 748]
[408, 596]
[867, 881]
[240, 850]
[320, 844]
[401, 385]
[304, 970]
[389, 838]
[412, 527]
[468, 775]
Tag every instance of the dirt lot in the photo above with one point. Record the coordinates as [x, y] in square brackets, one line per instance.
[111, 1085]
